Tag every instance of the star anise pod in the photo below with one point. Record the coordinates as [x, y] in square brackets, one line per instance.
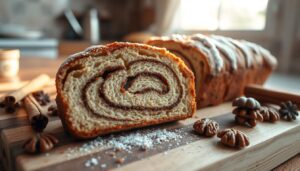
[288, 111]
[233, 138]
[41, 97]
[9, 107]
[206, 127]
[40, 143]
[2, 104]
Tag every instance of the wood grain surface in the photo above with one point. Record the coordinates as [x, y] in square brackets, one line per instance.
[271, 145]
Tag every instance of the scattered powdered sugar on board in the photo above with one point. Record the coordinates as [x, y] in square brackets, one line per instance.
[103, 166]
[142, 140]
[139, 139]
[127, 142]
[91, 162]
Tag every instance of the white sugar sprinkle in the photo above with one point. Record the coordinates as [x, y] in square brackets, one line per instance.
[127, 142]
[138, 139]
[103, 165]
[91, 162]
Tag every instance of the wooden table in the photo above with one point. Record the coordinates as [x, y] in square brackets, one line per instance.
[31, 67]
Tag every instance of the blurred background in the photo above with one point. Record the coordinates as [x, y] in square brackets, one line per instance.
[55, 28]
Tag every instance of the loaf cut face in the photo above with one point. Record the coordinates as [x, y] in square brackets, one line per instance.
[122, 86]
[222, 66]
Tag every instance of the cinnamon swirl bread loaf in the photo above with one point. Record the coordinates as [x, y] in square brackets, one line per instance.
[122, 86]
[222, 66]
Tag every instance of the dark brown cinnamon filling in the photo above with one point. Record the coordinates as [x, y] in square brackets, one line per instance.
[106, 73]
[71, 69]
[128, 82]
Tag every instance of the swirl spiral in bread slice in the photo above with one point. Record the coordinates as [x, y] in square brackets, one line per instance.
[122, 86]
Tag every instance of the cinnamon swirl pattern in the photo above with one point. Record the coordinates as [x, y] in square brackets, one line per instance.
[122, 86]
[222, 66]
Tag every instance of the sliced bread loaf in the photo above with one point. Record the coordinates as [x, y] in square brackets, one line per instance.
[122, 86]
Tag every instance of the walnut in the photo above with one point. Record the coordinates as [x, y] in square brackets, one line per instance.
[246, 102]
[247, 111]
[233, 138]
[269, 113]
[120, 160]
[206, 127]
[40, 143]
[288, 111]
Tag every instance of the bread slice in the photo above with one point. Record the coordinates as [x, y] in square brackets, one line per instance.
[122, 86]
[222, 66]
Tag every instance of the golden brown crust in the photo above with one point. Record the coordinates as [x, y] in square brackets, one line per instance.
[102, 50]
[157, 41]
[248, 63]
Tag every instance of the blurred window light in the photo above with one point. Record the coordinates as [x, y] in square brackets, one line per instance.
[223, 14]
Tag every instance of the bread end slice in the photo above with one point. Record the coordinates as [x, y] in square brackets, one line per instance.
[122, 86]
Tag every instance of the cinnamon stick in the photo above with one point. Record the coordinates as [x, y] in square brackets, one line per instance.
[266, 95]
[37, 115]
[41, 97]
[52, 109]
[51, 90]
[9, 101]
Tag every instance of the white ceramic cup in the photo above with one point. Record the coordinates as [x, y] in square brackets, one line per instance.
[9, 62]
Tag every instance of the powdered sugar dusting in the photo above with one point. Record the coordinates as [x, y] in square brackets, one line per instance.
[143, 141]
[91, 162]
[126, 142]
[117, 148]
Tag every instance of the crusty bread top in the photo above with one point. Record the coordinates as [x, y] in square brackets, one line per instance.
[100, 50]
[212, 46]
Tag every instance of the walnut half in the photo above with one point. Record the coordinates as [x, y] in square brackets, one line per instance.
[206, 127]
[233, 138]
[247, 111]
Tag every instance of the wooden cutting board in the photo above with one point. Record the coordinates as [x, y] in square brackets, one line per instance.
[270, 145]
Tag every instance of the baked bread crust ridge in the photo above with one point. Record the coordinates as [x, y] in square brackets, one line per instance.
[222, 66]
